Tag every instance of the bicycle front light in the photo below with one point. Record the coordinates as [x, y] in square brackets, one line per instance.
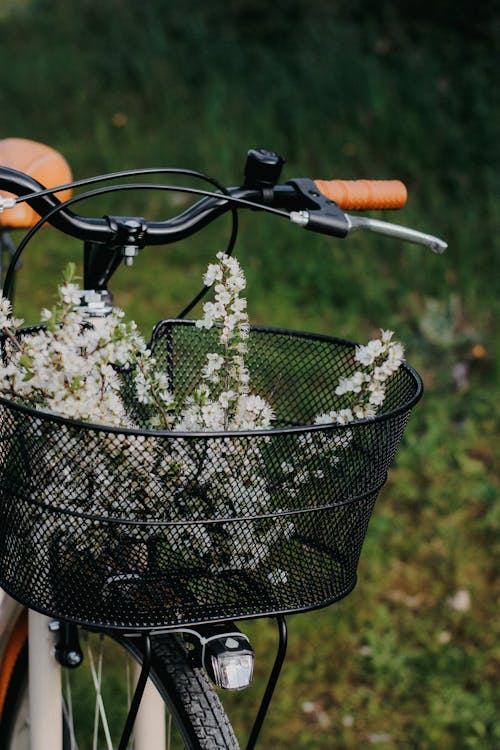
[224, 652]
[229, 661]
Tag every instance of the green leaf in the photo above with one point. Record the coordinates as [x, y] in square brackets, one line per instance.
[69, 273]
[26, 361]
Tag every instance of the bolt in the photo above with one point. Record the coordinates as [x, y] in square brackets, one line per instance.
[130, 251]
[73, 658]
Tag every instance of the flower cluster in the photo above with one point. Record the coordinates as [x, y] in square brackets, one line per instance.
[70, 366]
[223, 400]
[379, 359]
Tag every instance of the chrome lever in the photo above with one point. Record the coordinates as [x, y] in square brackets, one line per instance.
[396, 230]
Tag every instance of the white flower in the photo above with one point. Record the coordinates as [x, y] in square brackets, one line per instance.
[226, 398]
[5, 313]
[212, 416]
[359, 411]
[396, 353]
[6, 319]
[222, 295]
[386, 336]
[214, 363]
[210, 315]
[70, 293]
[369, 353]
[377, 394]
[238, 305]
[252, 412]
[325, 418]
[344, 416]
[344, 386]
[142, 389]
[353, 384]
[213, 273]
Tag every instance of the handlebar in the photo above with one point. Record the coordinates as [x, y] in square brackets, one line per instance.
[315, 205]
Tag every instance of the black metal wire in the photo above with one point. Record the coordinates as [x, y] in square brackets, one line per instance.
[271, 685]
[139, 692]
[137, 523]
[119, 175]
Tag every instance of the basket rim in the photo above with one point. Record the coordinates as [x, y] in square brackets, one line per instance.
[47, 416]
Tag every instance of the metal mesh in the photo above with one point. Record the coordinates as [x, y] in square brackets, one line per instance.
[136, 529]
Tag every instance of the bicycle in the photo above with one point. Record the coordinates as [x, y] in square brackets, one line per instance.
[178, 622]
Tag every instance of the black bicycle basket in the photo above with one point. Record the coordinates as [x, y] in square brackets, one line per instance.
[140, 529]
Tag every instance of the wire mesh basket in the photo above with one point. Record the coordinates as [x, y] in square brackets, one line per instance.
[141, 529]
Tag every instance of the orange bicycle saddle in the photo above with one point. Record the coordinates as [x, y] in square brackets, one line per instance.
[43, 163]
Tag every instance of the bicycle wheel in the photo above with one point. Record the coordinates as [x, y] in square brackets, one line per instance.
[195, 717]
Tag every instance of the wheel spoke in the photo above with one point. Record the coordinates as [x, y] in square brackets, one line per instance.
[100, 709]
[68, 711]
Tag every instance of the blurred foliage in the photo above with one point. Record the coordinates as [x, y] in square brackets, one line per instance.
[348, 89]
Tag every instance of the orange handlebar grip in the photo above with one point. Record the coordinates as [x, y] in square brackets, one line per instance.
[363, 195]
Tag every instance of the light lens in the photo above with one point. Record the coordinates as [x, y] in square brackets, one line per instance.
[233, 671]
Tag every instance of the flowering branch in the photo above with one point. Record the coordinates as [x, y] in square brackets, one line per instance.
[379, 359]
[225, 372]
[69, 367]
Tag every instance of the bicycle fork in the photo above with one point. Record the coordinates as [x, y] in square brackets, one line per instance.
[226, 656]
[47, 650]
[46, 726]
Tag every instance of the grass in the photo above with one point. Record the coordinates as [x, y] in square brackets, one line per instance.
[411, 658]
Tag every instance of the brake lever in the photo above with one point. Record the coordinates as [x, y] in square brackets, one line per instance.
[321, 215]
[396, 230]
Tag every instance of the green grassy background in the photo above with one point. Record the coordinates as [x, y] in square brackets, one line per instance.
[411, 659]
